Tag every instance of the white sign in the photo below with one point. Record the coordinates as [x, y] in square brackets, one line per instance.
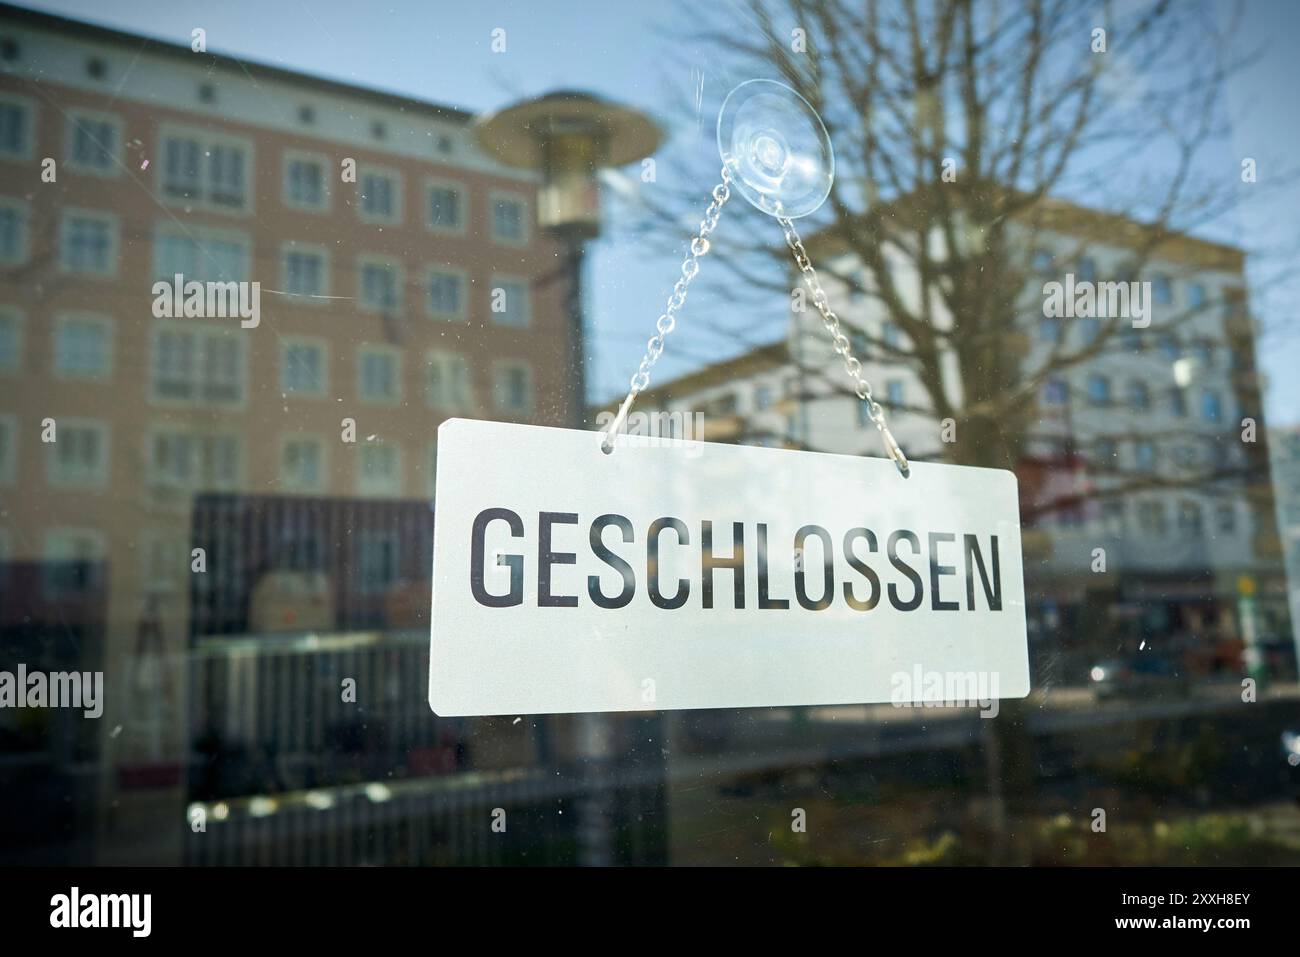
[671, 574]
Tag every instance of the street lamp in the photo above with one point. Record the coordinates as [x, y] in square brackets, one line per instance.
[569, 137]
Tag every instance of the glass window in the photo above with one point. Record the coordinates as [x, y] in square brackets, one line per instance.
[206, 169]
[378, 373]
[1098, 390]
[381, 197]
[1211, 406]
[510, 306]
[82, 347]
[93, 143]
[198, 366]
[13, 232]
[380, 286]
[78, 456]
[446, 294]
[509, 219]
[449, 387]
[445, 208]
[88, 243]
[303, 369]
[15, 129]
[304, 272]
[379, 469]
[304, 183]
[302, 467]
[1162, 289]
[11, 341]
[513, 388]
[1139, 396]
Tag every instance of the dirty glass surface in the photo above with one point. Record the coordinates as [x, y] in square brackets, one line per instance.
[252, 255]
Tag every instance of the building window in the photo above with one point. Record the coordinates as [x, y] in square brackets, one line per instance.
[1139, 396]
[380, 286]
[381, 197]
[73, 562]
[1105, 455]
[1151, 518]
[202, 255]
[1203, 353]
[304, 271]
[509, 303]
[512, 388]
[1144, 455]
[302, 464]
[302, 368]
[200, 168]
[1056, 391]
[445, 208]
[1196, 295]
[1089, 330]
[893, 393]
[378, 375]
[891, 335]
[79, 454]
[377, 569]
[378, 469]
[15, 128]
[11, 341]
[1177, 403]
[193, 461]
[1169, 347]
[1190, 522]
[94, 143]
[8, 449]
[1086, 269]
[1211, 407]
[13, 232]
[88, 243]
[1226, 518]
[509, 219]
[1043, 262]
[449, 385]
[1162, 289]
[1098, 390]
[762, 398]
[304, 183]
[446, 294]
[202, 366]
[1113, 518]
[82, 347]
[1049, 330]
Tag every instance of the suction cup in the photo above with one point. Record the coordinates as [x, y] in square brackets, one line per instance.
[778, 150]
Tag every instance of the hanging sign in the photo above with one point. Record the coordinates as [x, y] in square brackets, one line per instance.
[674, 574]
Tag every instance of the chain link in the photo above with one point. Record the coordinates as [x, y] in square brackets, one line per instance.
[843, 348]
[667, 321]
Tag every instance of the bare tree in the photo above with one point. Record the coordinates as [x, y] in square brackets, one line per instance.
[957, 127]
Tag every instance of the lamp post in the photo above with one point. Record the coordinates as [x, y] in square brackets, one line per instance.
[569, 137]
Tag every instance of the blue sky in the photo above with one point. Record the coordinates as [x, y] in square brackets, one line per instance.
[441, 51]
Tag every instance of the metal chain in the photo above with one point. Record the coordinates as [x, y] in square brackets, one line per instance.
[667, 321]
[843, 348]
